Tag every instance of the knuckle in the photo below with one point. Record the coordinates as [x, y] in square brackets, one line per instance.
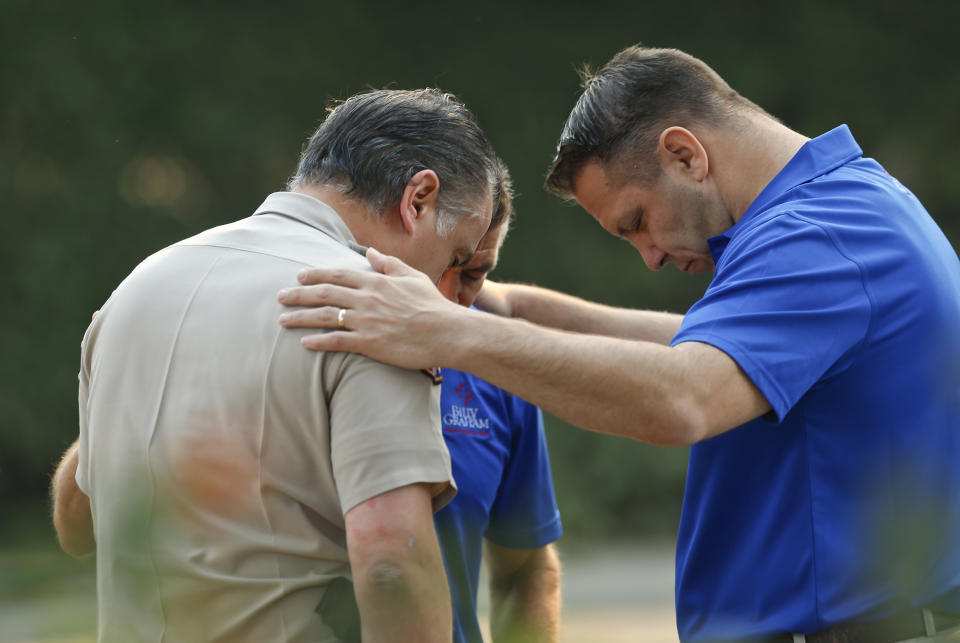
[313, 342]
[319, 294]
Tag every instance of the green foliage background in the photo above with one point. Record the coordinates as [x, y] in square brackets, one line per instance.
[125, 126]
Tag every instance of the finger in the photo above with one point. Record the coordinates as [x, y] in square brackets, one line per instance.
[337, 276]
[326, 317]
[389, 265]
[337, 341]
[319, 295]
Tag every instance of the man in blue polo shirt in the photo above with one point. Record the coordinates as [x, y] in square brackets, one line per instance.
[817, 380]
[505, 499]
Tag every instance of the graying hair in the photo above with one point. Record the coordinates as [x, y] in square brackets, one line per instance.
[373, 143]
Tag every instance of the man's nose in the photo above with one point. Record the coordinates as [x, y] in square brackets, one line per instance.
[467, 294]
[652, 256]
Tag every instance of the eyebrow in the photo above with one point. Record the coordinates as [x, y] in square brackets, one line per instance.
[484, 267]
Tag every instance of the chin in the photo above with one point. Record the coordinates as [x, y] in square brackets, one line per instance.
[701, 266]
[695, 266]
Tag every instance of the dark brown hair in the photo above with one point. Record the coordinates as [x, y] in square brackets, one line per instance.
[502, 197]
[627, 104]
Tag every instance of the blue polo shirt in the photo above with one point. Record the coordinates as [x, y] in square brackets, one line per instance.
[839, 297]
[504, 486]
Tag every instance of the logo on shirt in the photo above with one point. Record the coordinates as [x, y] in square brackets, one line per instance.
[900, 186]
[463, 418]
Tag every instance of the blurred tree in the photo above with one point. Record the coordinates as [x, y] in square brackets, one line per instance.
[127, 126]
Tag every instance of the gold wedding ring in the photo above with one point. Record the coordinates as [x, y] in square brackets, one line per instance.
[341, 318]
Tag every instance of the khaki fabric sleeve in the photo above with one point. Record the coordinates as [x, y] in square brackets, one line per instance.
[385, 432]
[83, 443]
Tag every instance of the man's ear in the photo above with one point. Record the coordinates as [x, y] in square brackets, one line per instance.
[681, 150]
[419, 196]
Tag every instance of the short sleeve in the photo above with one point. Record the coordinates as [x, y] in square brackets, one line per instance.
[385, 432]
[524, 514]
[83, 442]
[786, 304]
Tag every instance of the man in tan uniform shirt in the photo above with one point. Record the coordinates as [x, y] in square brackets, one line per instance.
[231, 475]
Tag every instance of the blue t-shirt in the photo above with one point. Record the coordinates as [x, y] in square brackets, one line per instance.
[505, 490]
[839, 297]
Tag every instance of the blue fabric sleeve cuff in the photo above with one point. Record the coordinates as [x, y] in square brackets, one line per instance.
[529, 538]
[767, 386]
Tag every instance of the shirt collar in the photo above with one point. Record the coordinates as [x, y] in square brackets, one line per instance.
[818, 156]
[312, 212]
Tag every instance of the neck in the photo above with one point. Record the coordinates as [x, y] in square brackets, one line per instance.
[359, 217]
[750, 155]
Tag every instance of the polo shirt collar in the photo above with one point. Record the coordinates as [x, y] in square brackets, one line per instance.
[817, 157]
[310, 211]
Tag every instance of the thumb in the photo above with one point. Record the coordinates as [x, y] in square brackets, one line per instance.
[388, 265]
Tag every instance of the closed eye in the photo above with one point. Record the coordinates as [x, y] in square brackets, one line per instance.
[634, 225]
[460, 263]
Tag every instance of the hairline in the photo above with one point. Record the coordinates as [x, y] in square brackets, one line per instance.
[446, 223]
[624, 139]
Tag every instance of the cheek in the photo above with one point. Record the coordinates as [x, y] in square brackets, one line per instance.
[469, 292]
[436, 266]
[449, 284]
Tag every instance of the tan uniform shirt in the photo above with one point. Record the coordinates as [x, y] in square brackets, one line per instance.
[219, 455]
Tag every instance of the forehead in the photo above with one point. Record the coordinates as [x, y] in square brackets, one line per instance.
[485, 208]
[487, 253]
[493, 238]
[470, 230]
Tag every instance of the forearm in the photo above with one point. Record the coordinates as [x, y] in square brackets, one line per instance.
[401, 601]
[71, 508]
[644, 390]
[559, 310]
[525, 606]
[399, 580]
[640, 390]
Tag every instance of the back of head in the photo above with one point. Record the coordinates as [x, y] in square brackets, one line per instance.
[502, 197]
[629, 102]
[372, 144]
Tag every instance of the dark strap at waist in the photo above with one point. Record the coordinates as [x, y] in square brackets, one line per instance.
[901, 627]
